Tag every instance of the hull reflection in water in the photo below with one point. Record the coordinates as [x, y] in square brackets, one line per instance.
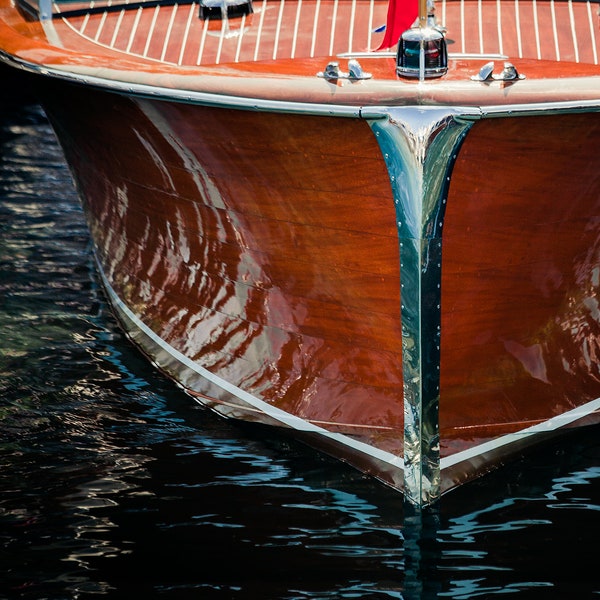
[404, 272]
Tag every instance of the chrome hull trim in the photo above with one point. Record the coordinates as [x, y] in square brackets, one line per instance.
[448, 463]
[281, 106]
[420, 146]
[188, 96]
[285, 419]
[549, 426]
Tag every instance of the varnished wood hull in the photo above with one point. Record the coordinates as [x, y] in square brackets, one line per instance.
[406, 275]
[271, 260]
[521, 277]
[280, 275]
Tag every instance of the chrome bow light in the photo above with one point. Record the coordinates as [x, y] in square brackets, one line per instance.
[422, 49]
[223, 9]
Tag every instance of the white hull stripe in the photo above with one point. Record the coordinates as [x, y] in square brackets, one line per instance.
[279, 415]
[299, 424]
[547, 426]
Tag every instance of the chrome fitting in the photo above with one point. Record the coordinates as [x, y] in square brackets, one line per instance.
[422, 53]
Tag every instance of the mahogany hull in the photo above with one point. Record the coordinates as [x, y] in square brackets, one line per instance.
[404, 271]
[520, 278]
[264, 248]
[270, 260]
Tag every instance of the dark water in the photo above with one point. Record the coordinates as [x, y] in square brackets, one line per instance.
[113, 483]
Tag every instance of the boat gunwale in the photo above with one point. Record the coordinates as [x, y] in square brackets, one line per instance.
[276, 86]
[224, 100]
[118, 83]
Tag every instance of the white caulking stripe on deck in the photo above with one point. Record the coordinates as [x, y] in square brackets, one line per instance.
[296, 27]
[592, 21]
[136, 22]
[186, 34]
[113, 41]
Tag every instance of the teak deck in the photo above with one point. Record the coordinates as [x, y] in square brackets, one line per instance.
[281, 29]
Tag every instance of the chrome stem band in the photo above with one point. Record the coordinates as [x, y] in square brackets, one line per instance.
[420, 146]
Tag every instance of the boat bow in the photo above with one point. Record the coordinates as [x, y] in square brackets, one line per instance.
[299, 236]
[419, 146]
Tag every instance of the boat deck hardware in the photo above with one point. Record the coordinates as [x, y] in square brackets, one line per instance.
[221, 9]
[355, 72]
[486, 73]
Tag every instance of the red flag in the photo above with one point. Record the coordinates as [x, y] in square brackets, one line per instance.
[400, 17]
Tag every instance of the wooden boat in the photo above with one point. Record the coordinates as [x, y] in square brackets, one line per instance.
[383, 237]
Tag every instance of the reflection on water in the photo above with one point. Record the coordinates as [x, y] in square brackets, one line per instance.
[113, 483]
